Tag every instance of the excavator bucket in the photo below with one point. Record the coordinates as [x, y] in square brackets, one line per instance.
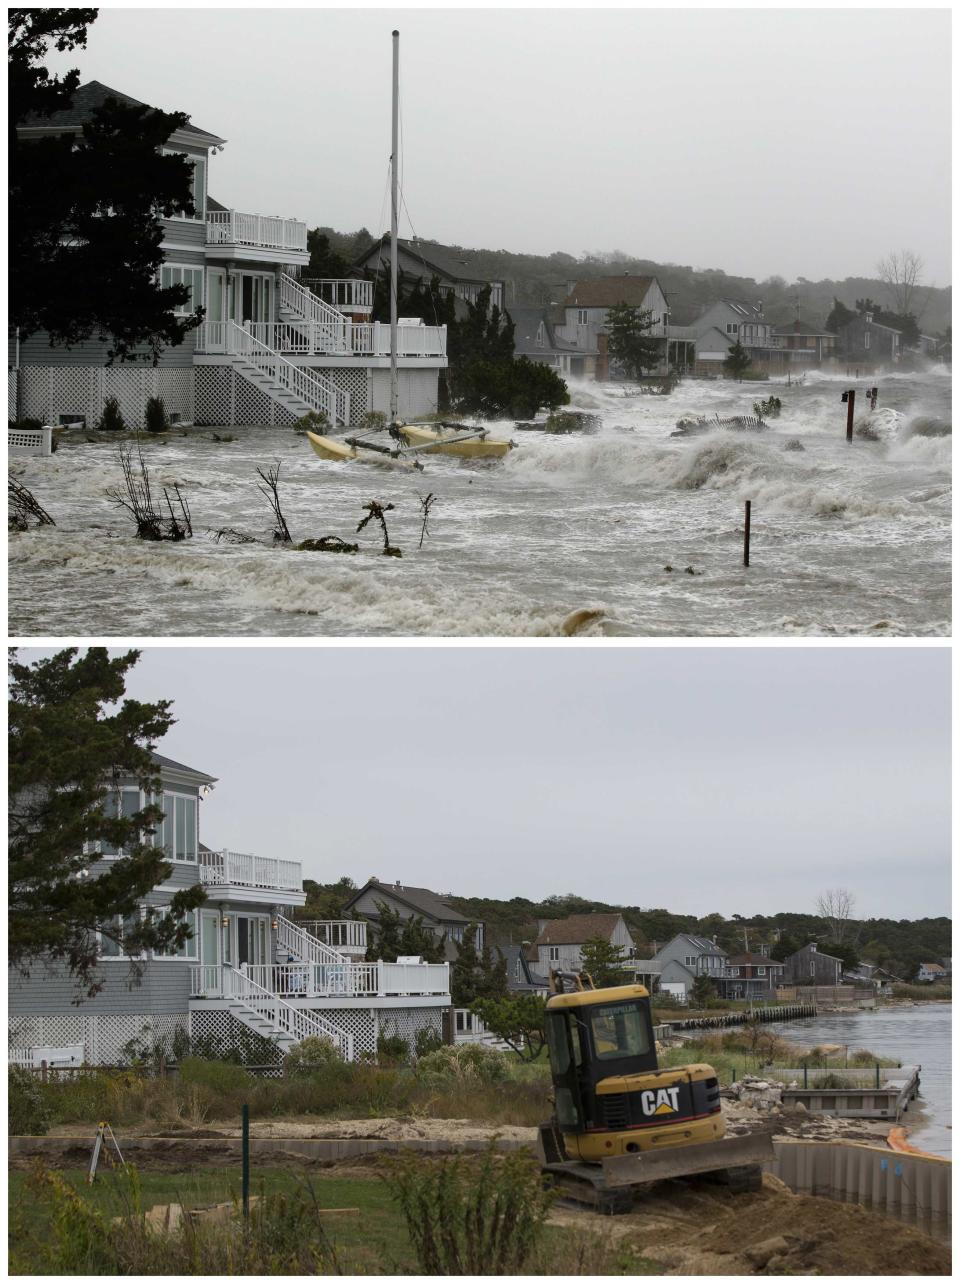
[687, 1161]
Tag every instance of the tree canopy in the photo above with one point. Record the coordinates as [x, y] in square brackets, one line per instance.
[393, 936]
[85, 231]
[603, 961]
[737, 361]
[476, 974]
[71, 736]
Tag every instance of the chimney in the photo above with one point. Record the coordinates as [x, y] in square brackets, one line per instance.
[759, 309]
[398, 883]
[796, 326]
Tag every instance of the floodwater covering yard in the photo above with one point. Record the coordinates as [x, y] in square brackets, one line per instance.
[627, 520]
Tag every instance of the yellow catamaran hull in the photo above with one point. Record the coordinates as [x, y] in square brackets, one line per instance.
[341, 452]
[443, 441]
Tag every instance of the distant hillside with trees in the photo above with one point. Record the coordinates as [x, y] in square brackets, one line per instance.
[535, 278]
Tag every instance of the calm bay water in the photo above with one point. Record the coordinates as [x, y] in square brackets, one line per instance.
[916, 1036]
[846, 540]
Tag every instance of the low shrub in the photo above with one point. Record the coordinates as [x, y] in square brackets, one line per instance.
[27, 1112]
[468, 1061]
[373, 421]
[392, 1050]
[155, 416]
[310, 1054]
[221, 1077]
[471, 1218]
[426, 1040]
[111, 420]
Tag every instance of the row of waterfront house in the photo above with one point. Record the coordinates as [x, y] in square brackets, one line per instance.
[275, 345]
[257, 977]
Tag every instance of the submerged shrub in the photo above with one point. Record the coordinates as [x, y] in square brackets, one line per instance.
[155, 416]
[315, 421]
[427, 1039]
[111, 420]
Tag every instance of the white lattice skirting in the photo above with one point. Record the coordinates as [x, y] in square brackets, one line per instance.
[103, 1036]
[225, 399]
[365, 1024]
[54, 393]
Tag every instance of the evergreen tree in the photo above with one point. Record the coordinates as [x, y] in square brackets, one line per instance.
[519, 1020]
[603, 961]
[703, 991]
[394, 935]
[65, 753]
[325, 263]
[839, 316]
[85, 235]
[736, 361]
[476, 975]
[629, 343]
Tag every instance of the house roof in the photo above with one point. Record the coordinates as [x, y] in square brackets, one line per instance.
[702, 943]
[803, 327]
[933, 967]
[607, 291]
[512, 955]
[578, 928]
[526, 324]
[162, 761]
[87, 98]
[752, 311]
[450, 261]
[420, 899]
[763, 960]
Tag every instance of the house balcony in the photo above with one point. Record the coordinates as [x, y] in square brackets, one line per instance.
[264, 238]
[333, 342]
[239, 876]
[348, 294]
[339, 983]
[345, 935]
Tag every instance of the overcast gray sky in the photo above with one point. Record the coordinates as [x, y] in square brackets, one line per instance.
[800, 142]
[738, 780]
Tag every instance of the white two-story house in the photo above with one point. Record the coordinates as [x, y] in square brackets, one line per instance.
[250, 978]
[585, 311]
[268, 351]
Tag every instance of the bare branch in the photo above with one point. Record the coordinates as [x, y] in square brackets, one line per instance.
[270, 490]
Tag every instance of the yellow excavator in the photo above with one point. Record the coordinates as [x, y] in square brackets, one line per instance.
[619, 1120]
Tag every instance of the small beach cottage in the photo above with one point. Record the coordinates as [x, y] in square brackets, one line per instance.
[269, 349]
[251, 979]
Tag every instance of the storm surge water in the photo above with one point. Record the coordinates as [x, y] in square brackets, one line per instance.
[628, 521]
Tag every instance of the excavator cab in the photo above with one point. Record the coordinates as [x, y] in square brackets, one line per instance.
[619, 1120]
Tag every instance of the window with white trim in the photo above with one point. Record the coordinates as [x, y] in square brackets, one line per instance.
[191, 277]
[188, 950]
[125, 802]
[553, 953]
[866, 339]
[540, 335]
[177, 832]
[198, 183]
[112, 946]
[582, 316]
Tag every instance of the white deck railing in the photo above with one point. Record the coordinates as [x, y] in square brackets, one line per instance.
[348, 935]
[230, 227]
[322, 980]
[349, 293]
[293, 940]
[323, 323]
[240, 869]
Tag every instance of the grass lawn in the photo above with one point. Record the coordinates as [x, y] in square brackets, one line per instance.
[374, 1242]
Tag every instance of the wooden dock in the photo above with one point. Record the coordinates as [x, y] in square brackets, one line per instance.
[878, 1092]
[741, 1016]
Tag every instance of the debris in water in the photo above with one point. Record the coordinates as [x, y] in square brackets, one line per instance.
[700, 424]
[377, 510]
[578, 620]
[426, 503]
[22, 506]
[137, 498]
[231, 536]
[270, 490]
[794, 444]
[327, 544]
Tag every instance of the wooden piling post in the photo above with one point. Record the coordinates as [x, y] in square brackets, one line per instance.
[849, 397]
[746, 532]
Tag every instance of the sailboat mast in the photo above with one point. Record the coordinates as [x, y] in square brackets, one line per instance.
[393, 228]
